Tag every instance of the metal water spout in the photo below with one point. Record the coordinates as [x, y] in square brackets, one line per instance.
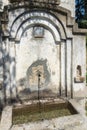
[39, 76]
[39, 80]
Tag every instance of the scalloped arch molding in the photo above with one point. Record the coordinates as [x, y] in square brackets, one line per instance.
[29, 19]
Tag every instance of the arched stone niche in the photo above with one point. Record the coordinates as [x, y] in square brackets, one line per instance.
[34, 58]
[38, 55]
[45, 52]
[50, 54]
[28, 19]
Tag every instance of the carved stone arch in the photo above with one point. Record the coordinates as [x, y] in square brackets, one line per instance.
[19, 36]
[25, 26]
[37, 16]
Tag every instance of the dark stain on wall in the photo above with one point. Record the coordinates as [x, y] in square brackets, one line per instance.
[39, 66]
[29, 83]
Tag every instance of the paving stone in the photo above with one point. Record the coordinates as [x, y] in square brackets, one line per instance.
[6, 119]
[17, 128]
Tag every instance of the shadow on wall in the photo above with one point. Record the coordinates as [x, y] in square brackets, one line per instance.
[36, 81]
[35, 95]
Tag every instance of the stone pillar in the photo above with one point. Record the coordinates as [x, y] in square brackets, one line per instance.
[1, 74]
[63, 65]
[12, 70]
[60, 68]
[66, 69]
[68, 66]
[72, 69]
[6, 74]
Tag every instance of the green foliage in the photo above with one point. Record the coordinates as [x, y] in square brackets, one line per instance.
[82, 24]
[25, 118]
[86, 107]
[80, 10]
[86, 77]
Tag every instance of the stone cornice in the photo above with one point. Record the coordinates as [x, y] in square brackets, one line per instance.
[77, 30]
[36, 1]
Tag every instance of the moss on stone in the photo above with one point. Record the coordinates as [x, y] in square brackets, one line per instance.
[86, 107]
[20, 119]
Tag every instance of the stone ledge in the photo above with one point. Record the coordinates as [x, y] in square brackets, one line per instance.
[39, 1]
[77, 106]
[55, 124]
[77, 31]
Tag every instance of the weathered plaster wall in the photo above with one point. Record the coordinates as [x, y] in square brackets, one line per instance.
[54, 57]
[79, 58]
[70, 5]
[33, 54]
[1, 72]
[40, 51]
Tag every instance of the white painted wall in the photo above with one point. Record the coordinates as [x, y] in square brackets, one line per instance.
[79, 58]
[70, 5]
[32, 49]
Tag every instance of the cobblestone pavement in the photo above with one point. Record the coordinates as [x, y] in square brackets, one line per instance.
[27, 127]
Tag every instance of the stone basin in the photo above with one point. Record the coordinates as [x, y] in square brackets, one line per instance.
[74, 121]
[41, 110]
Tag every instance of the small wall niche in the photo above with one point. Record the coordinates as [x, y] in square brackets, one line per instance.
[79, 78]
[38, 32]
[78, 71]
